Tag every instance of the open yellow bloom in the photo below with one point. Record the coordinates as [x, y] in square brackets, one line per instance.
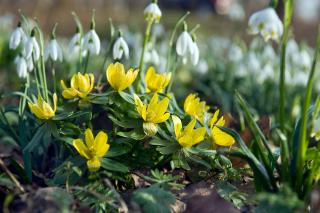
[118, 78]
[156, 82]
[189, 136]
[195, 108]
[152, 113]
[93, 148]
[80, 86]
[42, 109]
[219, 137]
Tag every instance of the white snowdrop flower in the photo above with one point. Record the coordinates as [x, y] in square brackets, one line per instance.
[267, 23]
[152, 12]
[305, 60]
[31, 47]
[202, 67]
[75, 44]
[242, 70]
[266, 73]
[91, 42]
[17, 36]
[184, 44]
[151, 55]
[268, 53]
[253, 62]
[120, 47]
[30, 65]
[53, 51]
[194, 54]
[21, 66]
[299, 78]
[235, 53]
[236, 12]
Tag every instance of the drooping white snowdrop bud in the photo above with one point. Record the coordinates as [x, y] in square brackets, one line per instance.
[30, 65]
[120, 47]
[184, 44]
[151, 55]
[194, 54]
[17, 36]
[152, 12]
[21, 66]
[53, 51]
[91, 41]
[31, 47]
[267, 23]
[75, 44]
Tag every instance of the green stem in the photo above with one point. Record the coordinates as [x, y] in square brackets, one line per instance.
[303, 139]
[86, 62]
[145, 42]
[42, 70]
[22, 137]
[287, 22]
[180, 21]
[54, 77]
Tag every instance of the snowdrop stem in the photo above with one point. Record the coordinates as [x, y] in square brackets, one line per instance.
[113, 36]
[194, 29]
[145, 42]
[54, 76]
[303, 139]
[273, 3]
[287, 22]
[178, 24]
[41, 67]
[86, 62]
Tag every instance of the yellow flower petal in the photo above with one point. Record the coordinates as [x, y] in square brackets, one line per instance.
[81, 148]
[89, 138]
[100, 140]
[177, 125]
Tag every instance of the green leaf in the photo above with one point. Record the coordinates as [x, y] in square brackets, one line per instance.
[37, 138]
[127, 97]
[113, 165]
[117, 149]
[154, 199]
[72, 115]
[134, 134]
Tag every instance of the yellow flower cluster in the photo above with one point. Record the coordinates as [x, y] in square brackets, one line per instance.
[195, 108]
[93, 148]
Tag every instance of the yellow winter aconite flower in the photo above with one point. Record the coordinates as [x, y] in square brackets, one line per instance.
[152, 113]
[93, 148]
[156, 82]
[80, 86]
[42, 109]
[189, 136]
[219, 137]
[118, 78]
[195, 108]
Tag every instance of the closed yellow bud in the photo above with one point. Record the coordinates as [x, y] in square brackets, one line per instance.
[42, 109]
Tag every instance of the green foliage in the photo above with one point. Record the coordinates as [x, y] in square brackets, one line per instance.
[154, 199]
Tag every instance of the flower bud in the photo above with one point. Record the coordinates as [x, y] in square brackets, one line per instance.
[150, 129]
